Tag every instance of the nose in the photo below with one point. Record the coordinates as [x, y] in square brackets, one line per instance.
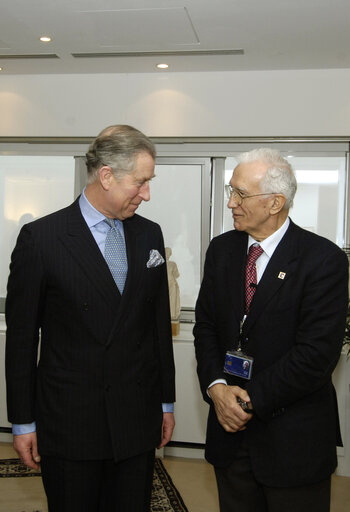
[145, 192]
[232, 202]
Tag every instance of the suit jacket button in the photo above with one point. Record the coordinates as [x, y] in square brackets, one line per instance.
[107, 387]
[85, 306]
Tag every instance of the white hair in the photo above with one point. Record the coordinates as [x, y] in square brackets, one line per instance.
[279, 177]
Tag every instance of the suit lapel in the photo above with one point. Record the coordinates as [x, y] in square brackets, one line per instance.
[278, 271]
[237, 256]
[81, 244]
[133, 238]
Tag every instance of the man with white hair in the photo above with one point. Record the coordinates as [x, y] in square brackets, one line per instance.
[270, 320]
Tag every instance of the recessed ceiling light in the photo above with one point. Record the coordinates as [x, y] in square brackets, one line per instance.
[162, 66]
[45, 39]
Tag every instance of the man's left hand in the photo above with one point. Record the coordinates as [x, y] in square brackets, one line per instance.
[167, 428]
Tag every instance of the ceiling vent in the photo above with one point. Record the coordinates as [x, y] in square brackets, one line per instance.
[183, 53]
[31, 56]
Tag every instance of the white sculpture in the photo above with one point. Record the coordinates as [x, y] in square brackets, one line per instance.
[174, 292]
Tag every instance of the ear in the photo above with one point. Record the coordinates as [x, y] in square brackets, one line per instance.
[279, 201]
[106, 177]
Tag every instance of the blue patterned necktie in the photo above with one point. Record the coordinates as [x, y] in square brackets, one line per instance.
[115, 254]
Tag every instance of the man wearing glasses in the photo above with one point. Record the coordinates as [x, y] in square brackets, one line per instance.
[270, 320]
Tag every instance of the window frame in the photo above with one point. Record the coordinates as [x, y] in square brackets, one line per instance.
[210, 152]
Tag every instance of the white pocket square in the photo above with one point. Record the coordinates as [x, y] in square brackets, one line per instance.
[155, 259]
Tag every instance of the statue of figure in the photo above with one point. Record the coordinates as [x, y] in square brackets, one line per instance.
[174, 292]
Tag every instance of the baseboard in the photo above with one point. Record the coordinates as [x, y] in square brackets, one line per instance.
[185, 450]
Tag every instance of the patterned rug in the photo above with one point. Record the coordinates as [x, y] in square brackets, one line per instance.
[165, 497]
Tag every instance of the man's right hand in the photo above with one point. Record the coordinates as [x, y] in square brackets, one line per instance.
[229, 413]
[27, 449]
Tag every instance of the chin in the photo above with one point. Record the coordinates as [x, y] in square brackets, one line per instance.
[129, 214]
[238, 226]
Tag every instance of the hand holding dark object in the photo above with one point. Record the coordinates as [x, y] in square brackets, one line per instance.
[230, 415]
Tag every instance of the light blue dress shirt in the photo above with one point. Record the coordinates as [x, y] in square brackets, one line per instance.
[95, 221]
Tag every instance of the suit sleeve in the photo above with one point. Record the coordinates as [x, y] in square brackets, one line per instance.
[23, 303]
[309, 364]
[206, 340]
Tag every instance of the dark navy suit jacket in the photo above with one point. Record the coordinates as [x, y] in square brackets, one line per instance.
[294, 332]
[106, 361]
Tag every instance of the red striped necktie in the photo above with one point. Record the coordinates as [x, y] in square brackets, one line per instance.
[250, 274]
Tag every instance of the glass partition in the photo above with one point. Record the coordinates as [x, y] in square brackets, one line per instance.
[30, 187]
[176, 204]
[187, 195]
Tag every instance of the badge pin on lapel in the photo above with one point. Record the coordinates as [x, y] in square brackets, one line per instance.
[281, 275]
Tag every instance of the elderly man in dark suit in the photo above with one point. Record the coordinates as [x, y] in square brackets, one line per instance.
[270, 320]
[92, 278]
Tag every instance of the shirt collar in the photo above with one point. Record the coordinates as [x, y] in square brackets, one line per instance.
[271, 242]
[93, 217]
[90, 214]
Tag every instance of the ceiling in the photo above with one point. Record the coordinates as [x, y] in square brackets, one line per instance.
[132, 36]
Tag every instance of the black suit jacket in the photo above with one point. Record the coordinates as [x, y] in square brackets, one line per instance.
[294, 331]
[106, 361]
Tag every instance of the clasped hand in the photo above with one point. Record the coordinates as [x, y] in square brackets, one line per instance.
[228, 411]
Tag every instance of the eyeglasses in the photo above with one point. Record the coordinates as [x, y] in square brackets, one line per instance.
[239, 197]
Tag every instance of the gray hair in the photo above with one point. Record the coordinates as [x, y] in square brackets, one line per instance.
[279, 177]
[117, 146]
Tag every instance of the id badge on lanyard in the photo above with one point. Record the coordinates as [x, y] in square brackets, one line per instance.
[238, 363]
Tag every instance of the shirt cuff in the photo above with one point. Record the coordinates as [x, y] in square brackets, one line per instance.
[217, 381]
[168, 407]
[24, 428]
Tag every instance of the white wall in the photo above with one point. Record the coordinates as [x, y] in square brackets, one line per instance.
[256, 103]
[250, 103]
